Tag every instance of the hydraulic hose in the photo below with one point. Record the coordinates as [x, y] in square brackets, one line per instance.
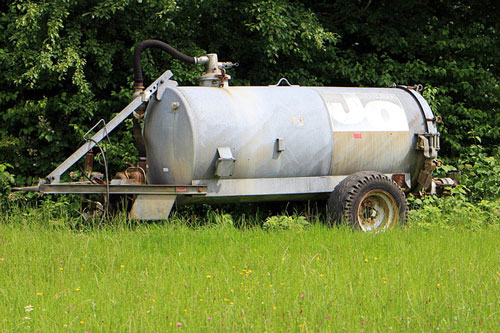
[138, 78]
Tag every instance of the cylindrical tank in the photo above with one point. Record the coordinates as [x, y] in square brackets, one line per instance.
[276, 132]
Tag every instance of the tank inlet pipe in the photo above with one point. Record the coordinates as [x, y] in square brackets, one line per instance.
[138, 78]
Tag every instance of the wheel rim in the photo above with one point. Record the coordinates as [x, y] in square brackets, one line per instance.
[377, 211]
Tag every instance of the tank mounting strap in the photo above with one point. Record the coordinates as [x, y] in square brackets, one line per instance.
[144, 97]
[430, 119]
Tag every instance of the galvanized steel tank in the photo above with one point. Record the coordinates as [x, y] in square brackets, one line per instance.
[276, 132]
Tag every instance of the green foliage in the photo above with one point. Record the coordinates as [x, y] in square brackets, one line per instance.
[480, 173]
[285, 222]
[286, 29]
[56, 278]
[221, 220]
[64, 65]
[474, 204]
[6, 179]
[454, 211]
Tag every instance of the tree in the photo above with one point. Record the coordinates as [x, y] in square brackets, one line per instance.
[67, 64]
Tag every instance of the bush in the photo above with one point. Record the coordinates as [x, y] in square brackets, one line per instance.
[285, 223]
[6, 179]
[480, 174]
[455, 210]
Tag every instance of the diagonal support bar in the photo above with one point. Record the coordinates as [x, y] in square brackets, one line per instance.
[55, 175]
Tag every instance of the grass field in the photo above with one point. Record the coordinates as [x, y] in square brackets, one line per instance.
[167, 276]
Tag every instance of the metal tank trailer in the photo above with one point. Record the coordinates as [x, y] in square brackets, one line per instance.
[360, 148]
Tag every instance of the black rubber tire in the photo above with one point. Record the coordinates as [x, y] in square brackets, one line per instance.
[348, 199]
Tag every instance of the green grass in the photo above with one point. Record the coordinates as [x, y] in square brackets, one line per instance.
[154, 277]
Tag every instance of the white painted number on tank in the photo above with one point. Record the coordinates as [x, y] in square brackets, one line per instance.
[375, 115]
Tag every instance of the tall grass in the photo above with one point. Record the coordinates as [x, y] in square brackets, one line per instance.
[56, 274]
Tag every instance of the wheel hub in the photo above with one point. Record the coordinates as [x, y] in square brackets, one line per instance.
[377, 211]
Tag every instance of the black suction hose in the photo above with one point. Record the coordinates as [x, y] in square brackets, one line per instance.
[139, 82]
[138, 78]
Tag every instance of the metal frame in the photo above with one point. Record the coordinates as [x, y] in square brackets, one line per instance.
[158, 85]
[210, 188]
[88, 188]
[228, 187]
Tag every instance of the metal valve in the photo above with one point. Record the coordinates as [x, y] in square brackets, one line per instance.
[215, 71]
[227, 65]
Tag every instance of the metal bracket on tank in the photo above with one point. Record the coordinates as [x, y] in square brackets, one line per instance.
[286, 83]
[225, 162]
[164, 84]
[429, 143]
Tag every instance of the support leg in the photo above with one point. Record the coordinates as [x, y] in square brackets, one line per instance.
[152, 207]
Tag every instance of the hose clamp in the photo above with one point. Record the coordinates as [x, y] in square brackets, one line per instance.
[138, 115]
